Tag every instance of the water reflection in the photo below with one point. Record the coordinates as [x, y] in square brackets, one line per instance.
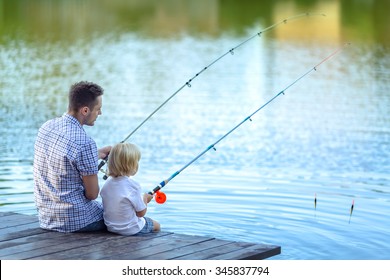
[350, 20]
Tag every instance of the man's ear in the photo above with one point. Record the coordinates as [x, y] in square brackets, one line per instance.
[84, 111]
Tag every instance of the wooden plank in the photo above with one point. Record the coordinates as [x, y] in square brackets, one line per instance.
[184, 252]
[36, 245]
[21, 238]
[62, 242]
[107, 247]
[254, 252]
[30, 238]
[8, 216]
[128, 249]
[21, 233]
[15, 226]
[7, 221]
[163, 244]
[215, 252]
[6, 213]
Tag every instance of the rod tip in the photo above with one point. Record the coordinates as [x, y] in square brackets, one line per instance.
[314, 14]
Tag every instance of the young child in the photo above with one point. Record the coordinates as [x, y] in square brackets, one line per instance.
[123, 204]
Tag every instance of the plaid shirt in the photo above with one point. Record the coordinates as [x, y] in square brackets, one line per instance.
[63, 154]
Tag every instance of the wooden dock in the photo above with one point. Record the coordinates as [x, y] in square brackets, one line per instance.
[21, 238]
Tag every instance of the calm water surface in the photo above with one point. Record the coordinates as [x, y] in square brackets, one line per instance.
[328, 136]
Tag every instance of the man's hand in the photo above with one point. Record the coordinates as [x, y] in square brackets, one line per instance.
[104, 152]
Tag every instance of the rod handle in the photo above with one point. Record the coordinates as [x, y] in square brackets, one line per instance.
[159, 187]
[102, 163]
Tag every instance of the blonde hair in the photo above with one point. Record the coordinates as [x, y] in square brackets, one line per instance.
[123, 160]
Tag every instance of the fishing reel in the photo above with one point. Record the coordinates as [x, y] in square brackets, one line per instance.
[160, 197]
[105, 172]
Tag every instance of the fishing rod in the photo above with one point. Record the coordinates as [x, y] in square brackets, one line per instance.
[161, 197]
[188, 83]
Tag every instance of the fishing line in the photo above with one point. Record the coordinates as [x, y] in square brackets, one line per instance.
[350, 211]
[188, 83]
[160, 197]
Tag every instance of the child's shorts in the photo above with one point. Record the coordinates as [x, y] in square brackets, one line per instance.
[148, 227]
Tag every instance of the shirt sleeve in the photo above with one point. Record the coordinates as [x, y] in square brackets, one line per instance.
[88, 159]
[137, 200]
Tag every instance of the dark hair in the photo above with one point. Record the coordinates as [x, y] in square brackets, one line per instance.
[83, 94]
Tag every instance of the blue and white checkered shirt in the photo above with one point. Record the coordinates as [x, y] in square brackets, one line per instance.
[63, 154]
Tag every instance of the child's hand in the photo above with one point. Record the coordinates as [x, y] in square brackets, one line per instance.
[147, 198]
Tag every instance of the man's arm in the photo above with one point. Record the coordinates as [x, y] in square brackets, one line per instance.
[91, 186]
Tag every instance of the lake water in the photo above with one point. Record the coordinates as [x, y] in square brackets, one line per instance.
[328, 137]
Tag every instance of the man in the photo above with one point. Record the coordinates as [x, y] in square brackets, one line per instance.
[66, 165]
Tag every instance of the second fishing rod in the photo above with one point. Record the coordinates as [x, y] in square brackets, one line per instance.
[188, 83]
[161, 198]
